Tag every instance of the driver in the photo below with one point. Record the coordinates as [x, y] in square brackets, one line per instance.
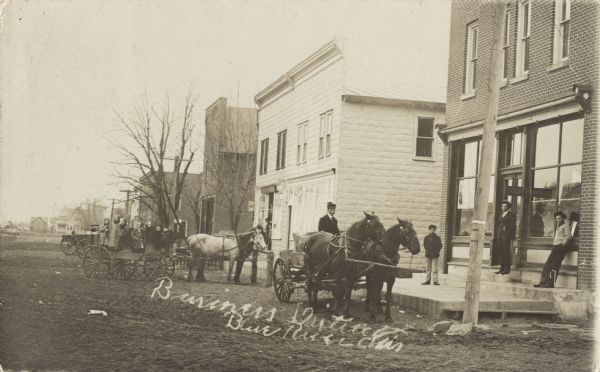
[328, 223]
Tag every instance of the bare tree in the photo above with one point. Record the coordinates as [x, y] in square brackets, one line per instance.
[158, 136]
[230, 162]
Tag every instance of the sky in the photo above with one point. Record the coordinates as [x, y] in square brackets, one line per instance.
[67, 68]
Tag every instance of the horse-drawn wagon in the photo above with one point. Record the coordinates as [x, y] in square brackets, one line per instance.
[364, 256]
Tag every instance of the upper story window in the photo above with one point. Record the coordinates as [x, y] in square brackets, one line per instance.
[325, 134]
[471, 58]
[302, 146]
[562, 18]
[281, 139]
[506, 45]
[424, 139]
[523, 37]
[264, 156]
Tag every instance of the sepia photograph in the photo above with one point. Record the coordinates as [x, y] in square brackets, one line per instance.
[316, 185]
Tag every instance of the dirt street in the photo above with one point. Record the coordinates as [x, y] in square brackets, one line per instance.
[44, 324]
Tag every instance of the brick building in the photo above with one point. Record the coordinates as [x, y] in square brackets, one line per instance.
[326, 135]
[546, 154]
[229, 168]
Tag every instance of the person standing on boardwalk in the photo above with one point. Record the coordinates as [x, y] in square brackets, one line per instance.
[433, 246]
[328, 223]
[507, 226]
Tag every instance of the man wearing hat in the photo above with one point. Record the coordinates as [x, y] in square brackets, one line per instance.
[507, 228]
[562, 238]
[328, 223]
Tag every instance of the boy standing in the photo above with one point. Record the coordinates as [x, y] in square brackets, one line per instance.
[433, 246]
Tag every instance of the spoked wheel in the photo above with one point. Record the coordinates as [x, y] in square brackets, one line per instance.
[282, 281]
[69, 246]
[153, 265]
[97, 262]
[169, 265]
[123, 269]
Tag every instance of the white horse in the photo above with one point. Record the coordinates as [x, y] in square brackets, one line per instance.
[203, 246]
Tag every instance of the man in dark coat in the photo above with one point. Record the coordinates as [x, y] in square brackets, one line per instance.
[507, 228]
[328, 223]
[433, 246]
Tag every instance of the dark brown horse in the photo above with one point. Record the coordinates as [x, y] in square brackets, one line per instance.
[325, 256]
[386, 252]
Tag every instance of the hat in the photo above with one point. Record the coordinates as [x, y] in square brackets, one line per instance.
[330, 205]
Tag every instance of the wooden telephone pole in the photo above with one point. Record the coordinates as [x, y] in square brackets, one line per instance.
[471, 311]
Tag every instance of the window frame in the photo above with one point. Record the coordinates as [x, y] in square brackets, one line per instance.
[325, 134]
[558, 166]
[560, 24]
[264, 156]
[506, 45]
[302, 143]
[471, 55]
[523, 40]
[281, 149]
[417, 137]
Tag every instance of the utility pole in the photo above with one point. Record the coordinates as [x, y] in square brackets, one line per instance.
[127, 204]
[471, 311]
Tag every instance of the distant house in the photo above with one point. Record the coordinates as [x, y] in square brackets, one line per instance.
[327, 136]
[229, 168]
[39, 224]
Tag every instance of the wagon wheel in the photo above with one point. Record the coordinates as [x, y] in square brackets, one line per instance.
[169, 265]
[97, 262]
[282, 281]
[123, 269]
[153, 265]
[69, 245]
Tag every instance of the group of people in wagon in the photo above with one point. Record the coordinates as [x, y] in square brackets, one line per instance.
[118, 236]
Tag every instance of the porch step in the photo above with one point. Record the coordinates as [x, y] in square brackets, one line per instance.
[438, 300]
[519, 290]
[566, 278]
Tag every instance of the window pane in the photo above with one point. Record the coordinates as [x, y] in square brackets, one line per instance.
[546, 146]
[425, 127]
[570, 182]
[424, 147]
[570, 206]
[463, 222]
[544, 184]
[517, 148]
[526, 55]
[474, 44]
[572, 141]
[525, 19]
[298, 154]
[541, 222]
[466, 194]
[470, 159]
[565, 40]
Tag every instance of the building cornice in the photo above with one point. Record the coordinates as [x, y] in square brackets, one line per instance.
[516, 114]
[288, 79]
[351, 98]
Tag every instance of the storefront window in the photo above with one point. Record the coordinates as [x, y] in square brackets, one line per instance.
[556, 185]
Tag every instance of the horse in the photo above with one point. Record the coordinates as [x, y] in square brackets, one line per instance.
[386, 252]
[326, 255]
[203, 246]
